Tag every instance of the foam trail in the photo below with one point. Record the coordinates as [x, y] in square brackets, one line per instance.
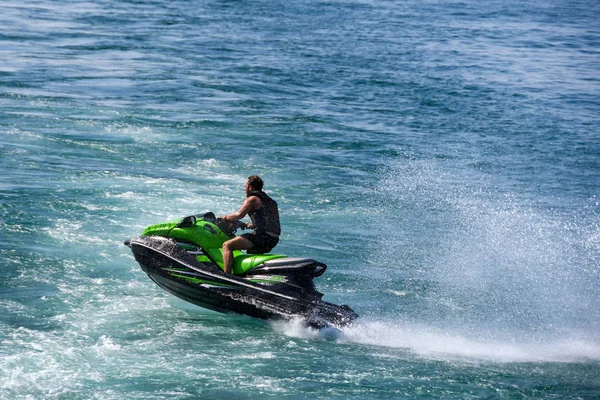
[441, 344]
[297, 328]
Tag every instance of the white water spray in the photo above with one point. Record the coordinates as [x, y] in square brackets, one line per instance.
[500, 277]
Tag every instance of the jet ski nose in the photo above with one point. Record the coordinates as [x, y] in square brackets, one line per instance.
[127, 243]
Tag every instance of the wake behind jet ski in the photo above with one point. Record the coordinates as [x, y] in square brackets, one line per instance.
[184, 257]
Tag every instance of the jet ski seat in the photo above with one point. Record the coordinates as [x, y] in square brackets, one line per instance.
[289, 261]
[294, 265]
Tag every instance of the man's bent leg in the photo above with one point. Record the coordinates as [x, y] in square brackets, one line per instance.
[237, 243]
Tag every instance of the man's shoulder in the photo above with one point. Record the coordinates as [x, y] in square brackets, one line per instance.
[254, 200]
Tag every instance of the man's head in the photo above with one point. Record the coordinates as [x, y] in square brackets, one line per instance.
[254, 183]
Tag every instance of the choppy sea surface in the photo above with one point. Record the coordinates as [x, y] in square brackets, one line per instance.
[442, 157]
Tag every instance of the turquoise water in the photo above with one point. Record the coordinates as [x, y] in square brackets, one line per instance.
[443, 158]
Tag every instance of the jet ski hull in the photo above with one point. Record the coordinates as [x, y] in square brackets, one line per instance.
[207, 286]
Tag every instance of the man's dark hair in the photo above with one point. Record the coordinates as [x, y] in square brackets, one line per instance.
[255, 182]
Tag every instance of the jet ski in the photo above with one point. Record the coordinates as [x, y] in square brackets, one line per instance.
[184, 257]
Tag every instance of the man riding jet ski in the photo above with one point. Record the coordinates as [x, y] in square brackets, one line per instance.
[187, 258]
[264, 214]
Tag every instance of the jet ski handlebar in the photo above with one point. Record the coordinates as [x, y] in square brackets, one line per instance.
[227, 226]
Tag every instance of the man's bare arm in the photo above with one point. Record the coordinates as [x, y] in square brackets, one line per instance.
[249, 205]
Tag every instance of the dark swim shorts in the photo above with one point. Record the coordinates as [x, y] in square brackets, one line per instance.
[262, 243]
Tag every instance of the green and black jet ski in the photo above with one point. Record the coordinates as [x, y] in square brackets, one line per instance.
[184, 257]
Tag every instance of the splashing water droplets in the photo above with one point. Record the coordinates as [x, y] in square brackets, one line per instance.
[495, 267]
